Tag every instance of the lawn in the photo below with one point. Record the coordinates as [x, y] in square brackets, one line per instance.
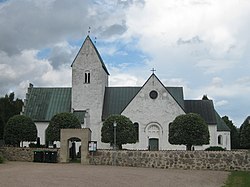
[239, 179]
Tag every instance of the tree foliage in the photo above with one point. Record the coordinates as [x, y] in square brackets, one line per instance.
[19, 128]
[125, 131]
[1, 128]
[234, 134]
[245, 135]
[8, 108]
[58, 122]
[189, 129]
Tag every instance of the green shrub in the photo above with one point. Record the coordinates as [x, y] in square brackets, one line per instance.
[18, 129]
[1, 159]
[125, 131]
[34, 145]
[188, 129]
[215, 148]
[58, 122]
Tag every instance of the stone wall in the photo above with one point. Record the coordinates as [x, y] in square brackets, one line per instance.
[21, 154]
[198, 160]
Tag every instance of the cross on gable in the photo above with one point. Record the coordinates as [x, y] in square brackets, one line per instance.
[153, 71]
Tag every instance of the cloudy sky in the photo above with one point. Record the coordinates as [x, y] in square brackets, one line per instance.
[202, 45]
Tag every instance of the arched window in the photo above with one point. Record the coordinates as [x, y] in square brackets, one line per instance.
[87, 77]
[136, 126]
[220, 140]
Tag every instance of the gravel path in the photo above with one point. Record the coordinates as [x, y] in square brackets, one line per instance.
[42, 174]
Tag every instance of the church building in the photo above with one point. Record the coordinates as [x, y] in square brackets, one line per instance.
[151, 107]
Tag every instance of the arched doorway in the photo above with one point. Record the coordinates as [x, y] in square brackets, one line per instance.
[74, 149]
[154, 134]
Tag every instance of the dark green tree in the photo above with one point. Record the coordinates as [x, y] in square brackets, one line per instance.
[1, 128]
[19, 128]
[8, 108]
[189, 129]
[245, 134]
[125, 131]
[234, 134]
[58, 122]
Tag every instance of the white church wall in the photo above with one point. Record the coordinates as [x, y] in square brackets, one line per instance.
[41, 127]
[225, 139]
[96, 136]
[213, 135]
[147, 111]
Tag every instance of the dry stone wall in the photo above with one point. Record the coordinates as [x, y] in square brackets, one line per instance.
[198, 160]
[21, 154]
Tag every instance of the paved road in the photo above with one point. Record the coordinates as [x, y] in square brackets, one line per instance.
[41, 174]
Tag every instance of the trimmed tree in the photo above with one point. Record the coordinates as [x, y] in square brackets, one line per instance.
[245, 135]
[18, 129]
[189, 129]
[61, 121]
[9, 108]
[234, 134]
[125, 131]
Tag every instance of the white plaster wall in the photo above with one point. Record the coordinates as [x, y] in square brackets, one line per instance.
[226, 141]
[90, 95]
[213, 135]
[41, 127]
[145, 111]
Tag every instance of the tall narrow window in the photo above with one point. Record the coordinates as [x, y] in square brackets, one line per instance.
[220, 140]
[87, 77]
[136, 126]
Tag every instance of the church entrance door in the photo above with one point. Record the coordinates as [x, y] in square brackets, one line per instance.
[153, 144]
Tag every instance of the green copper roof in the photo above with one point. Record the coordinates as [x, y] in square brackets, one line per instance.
[43, 103]
[177, 94]
[117, 98]
[203, 107]
[221, 125]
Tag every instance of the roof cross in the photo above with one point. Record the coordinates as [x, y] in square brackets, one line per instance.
[153, 70]
[89, 30]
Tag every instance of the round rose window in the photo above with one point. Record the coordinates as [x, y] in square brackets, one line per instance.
[153, 94]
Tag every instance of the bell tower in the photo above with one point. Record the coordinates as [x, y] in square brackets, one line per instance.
[89, 80]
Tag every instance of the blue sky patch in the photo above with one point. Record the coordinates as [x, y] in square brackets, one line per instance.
[44, 53]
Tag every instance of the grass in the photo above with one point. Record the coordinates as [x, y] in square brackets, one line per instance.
[238, 179]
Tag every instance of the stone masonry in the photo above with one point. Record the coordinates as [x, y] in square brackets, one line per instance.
[22, 154]
[198, 160]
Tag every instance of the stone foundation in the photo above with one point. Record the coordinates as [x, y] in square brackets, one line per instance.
[198, 160]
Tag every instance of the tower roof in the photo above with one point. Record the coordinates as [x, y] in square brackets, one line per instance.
[98, 54]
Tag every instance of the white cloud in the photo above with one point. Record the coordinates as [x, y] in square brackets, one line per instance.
[123, 80]
[202, 45]
[215, 66]
[221, 103]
